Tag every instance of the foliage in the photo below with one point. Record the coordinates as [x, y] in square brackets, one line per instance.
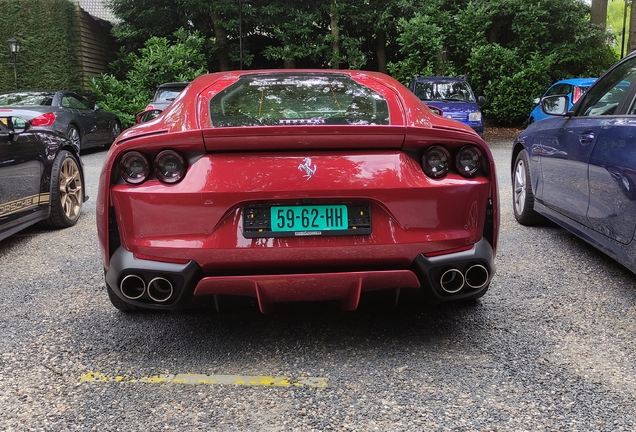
[509, 50]
[158, 62]
[421, 42]
[48, 31]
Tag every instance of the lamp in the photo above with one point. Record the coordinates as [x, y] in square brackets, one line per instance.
[14, 48]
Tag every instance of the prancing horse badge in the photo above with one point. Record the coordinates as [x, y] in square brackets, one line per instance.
[306, 166]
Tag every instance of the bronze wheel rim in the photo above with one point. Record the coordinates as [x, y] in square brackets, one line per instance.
[70, 189]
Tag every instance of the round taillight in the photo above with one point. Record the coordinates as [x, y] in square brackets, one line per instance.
[169, 166]
[134, 167]
[435, 161]
[468, 161]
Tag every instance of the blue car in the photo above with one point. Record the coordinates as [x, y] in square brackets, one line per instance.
[577, 167]
[574, 88]
[453, 97]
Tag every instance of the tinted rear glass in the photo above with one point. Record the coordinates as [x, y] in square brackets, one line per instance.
[167, 94]
[299, 99]
[26, 99]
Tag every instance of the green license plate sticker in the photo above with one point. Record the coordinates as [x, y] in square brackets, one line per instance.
[309, 217]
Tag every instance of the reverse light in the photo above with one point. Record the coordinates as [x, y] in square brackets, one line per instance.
[169, 166]
[474, 116]
[43, 120]
[134, 167]
[435, 161]
[468, 161]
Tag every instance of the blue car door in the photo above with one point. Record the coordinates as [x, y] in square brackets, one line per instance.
[566, 147]
[577, 144]
[608, 113]
[612, 180]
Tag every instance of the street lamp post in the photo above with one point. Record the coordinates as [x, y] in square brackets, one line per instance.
[14, 48]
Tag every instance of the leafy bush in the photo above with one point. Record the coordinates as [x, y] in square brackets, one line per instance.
[421, 41]
[158, 62]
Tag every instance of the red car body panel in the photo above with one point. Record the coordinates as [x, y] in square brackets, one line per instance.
[199, 219]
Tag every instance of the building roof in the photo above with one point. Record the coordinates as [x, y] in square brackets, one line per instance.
[98, 9]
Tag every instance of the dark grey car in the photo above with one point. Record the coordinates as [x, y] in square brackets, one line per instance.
[85, 124]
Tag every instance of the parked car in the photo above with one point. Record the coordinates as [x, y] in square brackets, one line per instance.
[574, 88]
[578, 166]
[85, 124]
[41, 175]
[296, 186]
[453, 97]
[165, 94]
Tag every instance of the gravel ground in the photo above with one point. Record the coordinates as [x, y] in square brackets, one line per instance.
[549, 348]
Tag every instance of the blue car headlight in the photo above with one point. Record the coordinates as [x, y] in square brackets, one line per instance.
[474, 116]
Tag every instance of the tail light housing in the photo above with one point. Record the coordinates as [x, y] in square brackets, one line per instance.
[169, 166]
[468, 161]
[134, 167]
[43, 120]
[576, 94]
[436, 161]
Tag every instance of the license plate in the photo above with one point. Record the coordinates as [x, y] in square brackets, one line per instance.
[306, 220]
[309, 218]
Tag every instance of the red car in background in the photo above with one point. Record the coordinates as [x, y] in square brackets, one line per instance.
[296, 185]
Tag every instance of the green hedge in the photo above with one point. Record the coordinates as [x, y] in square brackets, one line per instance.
[49, 34]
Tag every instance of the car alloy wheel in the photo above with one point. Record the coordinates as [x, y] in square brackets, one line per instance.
[116, 130]
[70, 189]
[74, 136]
[67, 191]
[522, 196]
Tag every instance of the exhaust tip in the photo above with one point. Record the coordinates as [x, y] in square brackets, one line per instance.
[477, 276]
[452, 281]
[160, 289]
[132, 287]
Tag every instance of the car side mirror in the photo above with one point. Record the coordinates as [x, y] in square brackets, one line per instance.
[481, 100]
[536, 101]
[147, 115]
[555, 105]
[436, 110]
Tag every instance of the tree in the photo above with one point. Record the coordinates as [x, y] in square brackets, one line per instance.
[598, 13]
[631, 44]
[157, 62]
[510, 50]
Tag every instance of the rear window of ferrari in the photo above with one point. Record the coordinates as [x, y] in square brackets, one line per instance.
[297, 99]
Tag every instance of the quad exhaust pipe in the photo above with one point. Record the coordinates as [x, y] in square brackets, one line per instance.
[132, 287]
[159, 289]
[453, 280]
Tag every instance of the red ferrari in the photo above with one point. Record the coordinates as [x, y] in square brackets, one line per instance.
[296, 185]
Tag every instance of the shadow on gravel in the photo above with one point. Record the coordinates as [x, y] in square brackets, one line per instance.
[242, 339]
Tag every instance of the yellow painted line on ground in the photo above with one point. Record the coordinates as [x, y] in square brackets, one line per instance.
[240, 380]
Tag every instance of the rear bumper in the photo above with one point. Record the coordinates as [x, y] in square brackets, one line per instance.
[442, 278]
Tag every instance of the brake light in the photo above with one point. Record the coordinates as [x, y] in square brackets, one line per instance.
[43, 120]
[576, 94]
